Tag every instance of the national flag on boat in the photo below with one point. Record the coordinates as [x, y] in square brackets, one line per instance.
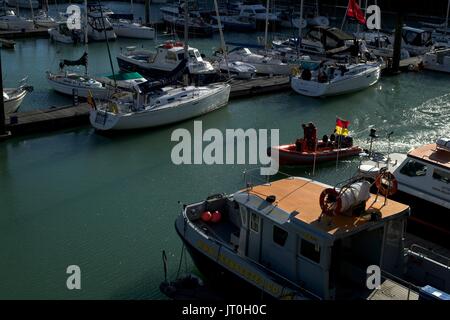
[342, 127]
[91, 101]
[355, 12]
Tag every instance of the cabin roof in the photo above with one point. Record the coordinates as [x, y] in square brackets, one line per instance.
[430, 153]
[299, 198]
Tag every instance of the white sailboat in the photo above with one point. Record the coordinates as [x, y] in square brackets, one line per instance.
[10, 21]
[333, 79]
[42, 19]
[13, 97]
[437, 60]
[152, 104]
[158, 107]
[124, 26]
[72, 82]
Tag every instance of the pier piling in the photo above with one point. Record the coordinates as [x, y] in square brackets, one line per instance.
[3, 133]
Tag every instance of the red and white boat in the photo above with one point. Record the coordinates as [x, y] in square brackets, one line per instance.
[289, 154]
[309, 150]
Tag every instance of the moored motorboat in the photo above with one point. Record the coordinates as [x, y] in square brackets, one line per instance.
[151, 107]
[423, 177]
[166, 59]
[297, 238]
[238, 69]
[263, 64]
[335, 79]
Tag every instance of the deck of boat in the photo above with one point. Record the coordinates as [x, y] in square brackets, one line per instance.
[390, 290]
[299, 197]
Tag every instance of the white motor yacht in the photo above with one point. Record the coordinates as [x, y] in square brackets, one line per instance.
[10, 21]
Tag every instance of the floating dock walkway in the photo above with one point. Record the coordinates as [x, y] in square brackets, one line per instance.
[51, 119]
[35, 33]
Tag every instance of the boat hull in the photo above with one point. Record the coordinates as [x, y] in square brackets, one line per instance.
[13, 104]
[289, 156]
[135, 33]
[316, 89]
[102, 120]
[84, 92]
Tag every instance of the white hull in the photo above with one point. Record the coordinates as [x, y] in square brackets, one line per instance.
[14, 102]
[16, 24]
[100, 35]
[58, 37]
[433, 61]
[83, 91]
[173, 113]
[133, 31]
[341, 86]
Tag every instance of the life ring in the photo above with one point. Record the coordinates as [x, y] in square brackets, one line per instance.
[330, 202]
[386, 183]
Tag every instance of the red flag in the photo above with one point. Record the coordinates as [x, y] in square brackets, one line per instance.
[354, 11]
[342, 127]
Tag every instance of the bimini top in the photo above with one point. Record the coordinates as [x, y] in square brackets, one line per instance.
[431, 153]
[297, 200]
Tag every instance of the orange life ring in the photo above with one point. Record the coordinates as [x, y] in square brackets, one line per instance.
[386, 183]
[330, 202]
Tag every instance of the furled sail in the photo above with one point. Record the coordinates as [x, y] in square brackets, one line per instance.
[83, 61]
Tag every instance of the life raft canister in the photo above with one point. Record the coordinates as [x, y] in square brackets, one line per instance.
[168, 45]
[206, 216]
[179, 44]
[216, 216]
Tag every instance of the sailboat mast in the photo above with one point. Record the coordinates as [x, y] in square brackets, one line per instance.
[86, 32]
[446, 19]
[32, 11]
[132, 10]
[186, 29]
[300, 27]
[222, 39]
[266, 30]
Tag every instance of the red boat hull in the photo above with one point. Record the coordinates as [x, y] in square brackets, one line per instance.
[290, 156]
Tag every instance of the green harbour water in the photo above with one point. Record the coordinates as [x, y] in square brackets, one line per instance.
[108, 203]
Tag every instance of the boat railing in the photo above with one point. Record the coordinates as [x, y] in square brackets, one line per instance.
[424, 253]
[250, 176]
[410, 287]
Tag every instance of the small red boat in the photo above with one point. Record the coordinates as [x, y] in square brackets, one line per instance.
[310, 150]
[290, 156]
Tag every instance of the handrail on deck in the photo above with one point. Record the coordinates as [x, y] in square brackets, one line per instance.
[427, 253]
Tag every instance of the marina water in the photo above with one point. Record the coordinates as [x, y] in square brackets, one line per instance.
[108, 203]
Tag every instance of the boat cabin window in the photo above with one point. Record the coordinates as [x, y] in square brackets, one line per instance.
[279, 236]
[310, 250]
[254, 222]
[171, 56]
[414, 169]
[180, 56]
[442, 176]
[243, 211]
